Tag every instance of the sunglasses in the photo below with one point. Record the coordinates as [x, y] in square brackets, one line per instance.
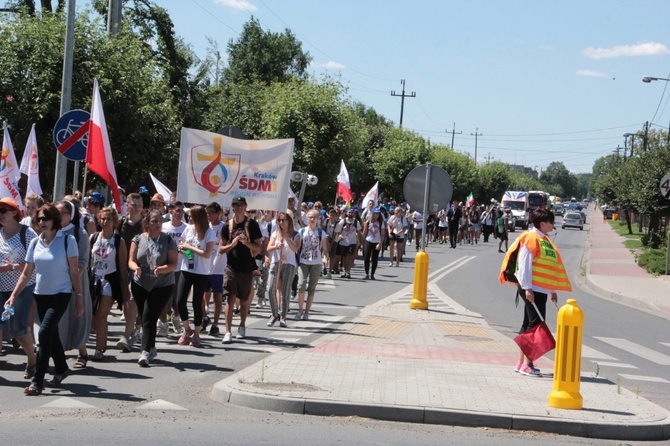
[4, 210]
[43, 218]
[281, 220]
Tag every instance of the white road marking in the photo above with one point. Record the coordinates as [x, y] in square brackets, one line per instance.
[588, 352]
[637, 350]
[644, 378]
[616, 364]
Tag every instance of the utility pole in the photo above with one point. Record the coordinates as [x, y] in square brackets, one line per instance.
[114, 17]
[453, 132]
[476, 135]
[402, 100]
[617, 150]
[488, 158]
[65, 98]
[646, 135]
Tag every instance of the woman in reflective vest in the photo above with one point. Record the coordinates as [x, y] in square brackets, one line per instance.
[540, 273]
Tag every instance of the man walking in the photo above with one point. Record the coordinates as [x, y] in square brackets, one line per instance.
[241, 241]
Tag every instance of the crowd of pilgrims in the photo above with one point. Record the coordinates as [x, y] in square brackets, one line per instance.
[66, 265]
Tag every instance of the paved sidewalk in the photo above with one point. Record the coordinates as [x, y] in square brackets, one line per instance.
[613, 273]
[448, 366]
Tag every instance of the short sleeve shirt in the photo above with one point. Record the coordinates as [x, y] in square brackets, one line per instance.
[12, 251]
[240, 258]
[201, 265]
[349, 230]
[310, 253]
[153, 253]
[219, 261]
[52, 270]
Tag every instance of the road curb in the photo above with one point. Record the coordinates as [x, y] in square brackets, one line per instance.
[653, 431]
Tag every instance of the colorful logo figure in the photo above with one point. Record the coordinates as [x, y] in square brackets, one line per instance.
[5, 165]
[214, 171]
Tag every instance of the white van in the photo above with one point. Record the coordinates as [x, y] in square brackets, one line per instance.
[517, 201]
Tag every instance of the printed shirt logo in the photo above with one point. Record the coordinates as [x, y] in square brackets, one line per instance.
[214, 171]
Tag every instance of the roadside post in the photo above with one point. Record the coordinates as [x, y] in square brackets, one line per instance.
[568, 358]
[665, 191]
[427, 189]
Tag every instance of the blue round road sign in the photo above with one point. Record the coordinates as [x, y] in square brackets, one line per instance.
[65, 137]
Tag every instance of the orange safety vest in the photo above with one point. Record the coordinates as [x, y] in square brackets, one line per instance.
[547, 267]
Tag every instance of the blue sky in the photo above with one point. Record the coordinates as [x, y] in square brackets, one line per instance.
[541, 81]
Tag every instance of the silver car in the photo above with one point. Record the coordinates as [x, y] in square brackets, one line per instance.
[573, 220]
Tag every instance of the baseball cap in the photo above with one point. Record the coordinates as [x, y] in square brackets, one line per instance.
[239, 200]
[96, 197]
[143, 190]
[11, 203]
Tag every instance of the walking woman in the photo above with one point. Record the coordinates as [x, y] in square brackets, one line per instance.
[75, 331]
[283, 246]
[108, 276]
[14, 239]
[197, 245]
[373, 232]
[153, 258]
[53, 256]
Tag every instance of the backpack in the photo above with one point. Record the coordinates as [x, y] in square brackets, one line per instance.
[22, 236]
[510, 270]
[474, 217]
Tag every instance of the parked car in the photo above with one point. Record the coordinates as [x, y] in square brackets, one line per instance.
[608, 213]
[573, 220]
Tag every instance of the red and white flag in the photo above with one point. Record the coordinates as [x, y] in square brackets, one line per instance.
[30, 165]
[343, 185]
[99, 151]
[9, 170]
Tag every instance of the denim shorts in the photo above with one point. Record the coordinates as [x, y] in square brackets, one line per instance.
[18, 324]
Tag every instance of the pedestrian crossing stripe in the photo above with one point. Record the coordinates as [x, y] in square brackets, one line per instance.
[67, 403]
[616, 364]
[637, 350]
[588, 352]
[644, 378]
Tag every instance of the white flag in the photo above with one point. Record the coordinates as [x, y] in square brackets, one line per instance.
[214, 167]
[9, 170]
[373, 195]
[30, 165]
[161, 188]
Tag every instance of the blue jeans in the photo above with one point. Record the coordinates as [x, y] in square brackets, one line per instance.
[18, 324]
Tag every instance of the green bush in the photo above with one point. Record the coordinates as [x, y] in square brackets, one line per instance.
[653, 260]
[653, 240]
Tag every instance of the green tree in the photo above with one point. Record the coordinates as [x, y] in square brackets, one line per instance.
[460, 168]
[494, 179]
[557, 173]
[265, 56]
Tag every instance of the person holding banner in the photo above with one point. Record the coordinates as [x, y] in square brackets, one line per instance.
[540, 274]
[241, 241]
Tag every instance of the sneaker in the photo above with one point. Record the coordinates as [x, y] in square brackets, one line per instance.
[343, 275]
[185, 338]
[236, 310]
[176, 324]
[305, 316]
[98, 356]
[144, 359]
[152, 354]
[282, 323]
[372, 277]
[273, 320]
[397, 264]
[367, 277]
[391, 264]
[517, 367]
[123, 344]
[298, 316]
[525, 370]
[214, 330]
[241, 333]
[162, 329]
[195, 341]
[135, 338]
[227, 338]
[206, 321]
[348, 275]
[122, 318]
[259, 305]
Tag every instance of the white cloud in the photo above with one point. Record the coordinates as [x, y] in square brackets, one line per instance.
[330, 65]
[242, 5]
[640, 49]
[591, 73]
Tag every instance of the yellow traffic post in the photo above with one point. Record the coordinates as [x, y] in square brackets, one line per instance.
[419, 297]
[568, 360]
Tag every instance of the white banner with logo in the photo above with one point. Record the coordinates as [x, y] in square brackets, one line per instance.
[214, 167]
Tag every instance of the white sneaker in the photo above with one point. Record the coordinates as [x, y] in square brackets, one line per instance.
[176, 324]
[123, 344]
[241, 332]
[298, 316]
[227, 338]
[161, 329]
[144, 359]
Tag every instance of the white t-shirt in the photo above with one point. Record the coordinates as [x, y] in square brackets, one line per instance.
[348, 229]
[288, 257]
[310, 253]
[417, 217]
[219, 262]
[103, 256]
[201, 265]
[374, 234]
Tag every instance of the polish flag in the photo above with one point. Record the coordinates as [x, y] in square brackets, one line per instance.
[343, 186]
[30, 165]
[99, 152]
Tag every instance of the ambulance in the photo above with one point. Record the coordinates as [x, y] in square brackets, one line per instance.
[517, 201]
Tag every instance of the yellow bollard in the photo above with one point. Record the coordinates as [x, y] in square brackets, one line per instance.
[568, 359]
[419, 300]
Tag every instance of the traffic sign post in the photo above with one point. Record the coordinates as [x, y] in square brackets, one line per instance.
[664, 187]
[437, 189]
[71, 134]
